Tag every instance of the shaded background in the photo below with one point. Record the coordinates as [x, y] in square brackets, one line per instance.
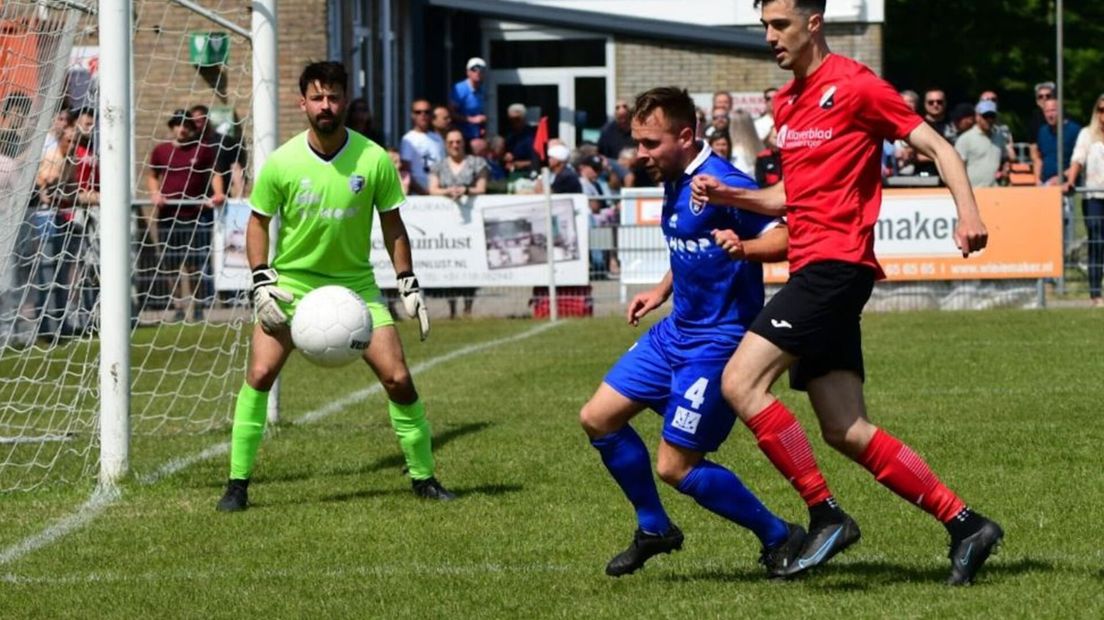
[967, 46]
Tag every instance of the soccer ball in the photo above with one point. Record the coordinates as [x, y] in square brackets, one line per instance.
[331, 326]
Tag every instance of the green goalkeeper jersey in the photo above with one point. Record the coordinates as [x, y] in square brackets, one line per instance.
[326, 208]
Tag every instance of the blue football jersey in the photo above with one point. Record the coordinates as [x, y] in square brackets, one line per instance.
[712, 293]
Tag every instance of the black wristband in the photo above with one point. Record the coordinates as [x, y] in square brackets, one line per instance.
[405, 274]
[259, 275]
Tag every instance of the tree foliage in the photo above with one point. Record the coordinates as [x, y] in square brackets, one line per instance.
[967, 46]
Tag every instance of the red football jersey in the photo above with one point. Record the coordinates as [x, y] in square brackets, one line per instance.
[831, 126]
[185, 173]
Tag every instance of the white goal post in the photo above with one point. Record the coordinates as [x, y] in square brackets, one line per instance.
[115, 19]
[102, 346]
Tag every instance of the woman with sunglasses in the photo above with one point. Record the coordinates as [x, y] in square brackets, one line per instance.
[458, 175]
[1088, 155]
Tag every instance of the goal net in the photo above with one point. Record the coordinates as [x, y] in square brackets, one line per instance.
[191, 113]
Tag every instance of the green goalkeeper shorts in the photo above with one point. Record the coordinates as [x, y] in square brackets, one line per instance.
[299, 286]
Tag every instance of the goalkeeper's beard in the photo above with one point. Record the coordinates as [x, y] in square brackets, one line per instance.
[333, 124]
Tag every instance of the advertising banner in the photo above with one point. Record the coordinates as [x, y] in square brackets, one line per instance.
[490, 241]
[480, 241]
[914, 237]
[228, 258]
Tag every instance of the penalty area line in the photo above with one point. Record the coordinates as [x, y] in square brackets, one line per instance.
[103, 497]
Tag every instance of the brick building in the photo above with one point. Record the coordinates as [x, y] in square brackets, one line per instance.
[574, 58]
[568, 58]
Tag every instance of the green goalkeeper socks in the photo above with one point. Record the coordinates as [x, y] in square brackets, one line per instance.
[412, 429]
[409, 422]
[249, 423]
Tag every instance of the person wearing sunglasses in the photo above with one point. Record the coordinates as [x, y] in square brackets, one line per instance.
[421, 147]
[1002, 128]
[1044, 91]
[1088, 156]
[468, 100]
[1045, 154]
[935, 114]
[982, 147]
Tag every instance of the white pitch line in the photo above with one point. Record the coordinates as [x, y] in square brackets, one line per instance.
[37, 439]
[369, 570]
[103, 497]
[181, 463]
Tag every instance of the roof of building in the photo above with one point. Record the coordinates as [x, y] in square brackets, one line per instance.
[637, 27]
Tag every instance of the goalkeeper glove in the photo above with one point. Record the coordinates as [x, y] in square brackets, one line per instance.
[413, 301]
[265, 294]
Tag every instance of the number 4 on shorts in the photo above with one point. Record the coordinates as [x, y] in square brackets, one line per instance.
[696, 393]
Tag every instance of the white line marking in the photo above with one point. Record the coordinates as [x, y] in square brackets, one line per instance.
[369, 570]
[37, 439]
[184, 462]
[103, 497]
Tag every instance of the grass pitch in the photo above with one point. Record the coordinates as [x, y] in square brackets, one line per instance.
[1004, 405]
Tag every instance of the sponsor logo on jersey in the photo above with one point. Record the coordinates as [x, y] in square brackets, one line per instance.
[673, 222]
[689, 246]
[783, 324]
[802, 138]
[828, 99]
[356, 183]
[686, 420]
[336, 214]
[308, 198]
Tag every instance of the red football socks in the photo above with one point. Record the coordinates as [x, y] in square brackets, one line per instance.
[784, 442]
[900, 469]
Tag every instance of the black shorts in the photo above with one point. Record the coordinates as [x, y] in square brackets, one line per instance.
[186, 242]
[815, 317]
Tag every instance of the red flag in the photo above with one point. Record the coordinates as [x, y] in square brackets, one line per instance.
[540, 140]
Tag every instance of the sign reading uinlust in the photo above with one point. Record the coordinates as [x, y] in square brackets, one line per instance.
[914, 236]
[490, 241]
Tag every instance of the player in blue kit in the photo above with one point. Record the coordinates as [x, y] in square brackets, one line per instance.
[675, 368]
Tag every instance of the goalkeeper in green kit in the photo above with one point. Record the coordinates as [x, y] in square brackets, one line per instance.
[325, 184]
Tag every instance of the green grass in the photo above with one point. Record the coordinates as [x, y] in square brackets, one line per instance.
[1004, 405]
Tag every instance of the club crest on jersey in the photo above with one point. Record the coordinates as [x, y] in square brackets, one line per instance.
[696, 207]
[356, 183]
[828, 99]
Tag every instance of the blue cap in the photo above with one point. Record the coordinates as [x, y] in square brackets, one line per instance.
[986, 107]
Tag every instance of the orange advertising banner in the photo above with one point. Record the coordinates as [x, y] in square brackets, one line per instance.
[19, 60]
[914, 238]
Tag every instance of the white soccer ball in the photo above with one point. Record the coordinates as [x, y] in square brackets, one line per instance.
[331, 326]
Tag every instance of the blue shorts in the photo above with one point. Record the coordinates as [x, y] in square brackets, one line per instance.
[679, 378]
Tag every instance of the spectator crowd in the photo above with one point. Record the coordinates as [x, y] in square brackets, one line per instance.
[449, 150]
[56, 250]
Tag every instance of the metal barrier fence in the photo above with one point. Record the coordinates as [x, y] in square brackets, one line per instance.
[627, 259]
[173, 276]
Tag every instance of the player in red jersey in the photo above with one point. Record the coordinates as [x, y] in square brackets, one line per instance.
[832, 119]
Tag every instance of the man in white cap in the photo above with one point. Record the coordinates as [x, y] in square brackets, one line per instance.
[564, 180]
[468, 100]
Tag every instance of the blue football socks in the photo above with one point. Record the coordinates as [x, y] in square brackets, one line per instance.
[720, 491]
[626, 458]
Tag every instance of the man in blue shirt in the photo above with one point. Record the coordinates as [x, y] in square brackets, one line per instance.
[468, 100]
[675, 368]
[1046, 167]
